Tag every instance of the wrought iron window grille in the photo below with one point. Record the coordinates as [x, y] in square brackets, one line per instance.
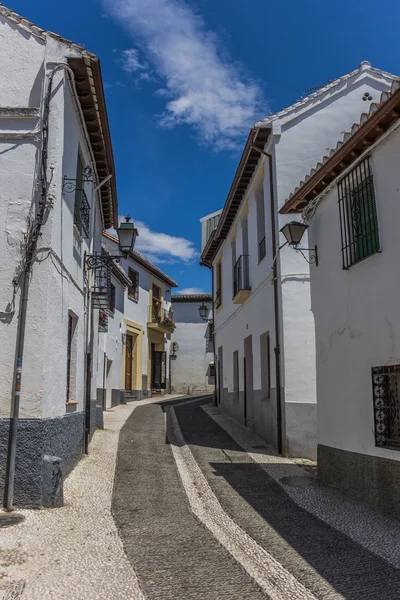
[241, 279]
[358, 216]
[386, 396]
[82, 212]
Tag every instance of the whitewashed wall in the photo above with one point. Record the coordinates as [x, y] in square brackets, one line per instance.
[297, 142]
[57, 280]
[138, 310]
[191, 369]
[356, 312]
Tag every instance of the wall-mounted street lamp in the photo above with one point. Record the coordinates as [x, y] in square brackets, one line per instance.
[204, 312]
[293, 233]
[127, 234]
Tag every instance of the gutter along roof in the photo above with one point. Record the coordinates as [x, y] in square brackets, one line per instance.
[90, 90]
[247, 165]
[371, 127]
[141, 260]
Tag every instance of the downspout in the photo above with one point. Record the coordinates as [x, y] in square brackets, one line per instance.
[277, 349]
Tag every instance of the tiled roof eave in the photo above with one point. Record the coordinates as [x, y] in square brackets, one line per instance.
[248, 164]
[191, 298]
[286, 112]
[371, 127]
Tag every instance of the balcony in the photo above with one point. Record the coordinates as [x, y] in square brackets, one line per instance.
[241, 280]
[160, 319]
[103, 321]
[82, 213]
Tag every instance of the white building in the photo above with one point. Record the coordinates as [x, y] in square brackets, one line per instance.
[264, 328]
[134, 355]
[53, 123]
[192, 366]
[352, 204]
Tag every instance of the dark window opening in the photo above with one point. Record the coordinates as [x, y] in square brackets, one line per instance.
[133, 290]
[358, 216]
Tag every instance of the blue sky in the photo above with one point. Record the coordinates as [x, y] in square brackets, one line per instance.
[185, 80]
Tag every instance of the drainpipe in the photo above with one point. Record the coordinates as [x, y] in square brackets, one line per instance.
[277, 349]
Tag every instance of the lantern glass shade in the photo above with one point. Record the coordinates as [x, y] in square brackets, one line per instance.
[127, 234]
[293, 232]
[203, 311]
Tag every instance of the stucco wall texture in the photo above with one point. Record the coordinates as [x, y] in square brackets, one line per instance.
[356, 313]
[48, 424]
[190, 372]
[297, 140]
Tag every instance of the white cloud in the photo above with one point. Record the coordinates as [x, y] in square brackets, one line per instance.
[189, 291]
[203, 89]
[130, 61]
[162, 247]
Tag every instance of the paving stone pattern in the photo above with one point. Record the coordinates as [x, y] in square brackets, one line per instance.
[174, 555]
[327, 562]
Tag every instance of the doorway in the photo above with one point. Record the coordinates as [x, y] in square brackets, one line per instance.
[130, 362]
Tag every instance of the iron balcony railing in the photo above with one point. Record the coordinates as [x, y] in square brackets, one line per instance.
[103, 321]
[241, 279]
[82, 212]
[162, 316]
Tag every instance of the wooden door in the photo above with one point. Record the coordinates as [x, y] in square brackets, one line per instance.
[128, 361]
[159, 371]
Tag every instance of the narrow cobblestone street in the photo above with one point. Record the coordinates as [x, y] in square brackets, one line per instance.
[204, 511]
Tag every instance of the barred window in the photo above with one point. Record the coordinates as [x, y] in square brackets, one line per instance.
[358, 216]
[386, 395]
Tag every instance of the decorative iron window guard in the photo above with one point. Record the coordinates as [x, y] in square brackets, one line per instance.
[358, 217]
[241, 279]
[161, 315]
[82, 212]
[386, 395]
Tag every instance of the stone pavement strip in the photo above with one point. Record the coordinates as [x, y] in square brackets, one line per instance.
[74, 552]
[327, 562]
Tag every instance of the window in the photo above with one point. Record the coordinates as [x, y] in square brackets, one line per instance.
[358, 217]
[260, 222]
[133, 290]
[211, 330]
[233, 251]
[386, 395]
[218, 293]
[236, 374]
[112, 298]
